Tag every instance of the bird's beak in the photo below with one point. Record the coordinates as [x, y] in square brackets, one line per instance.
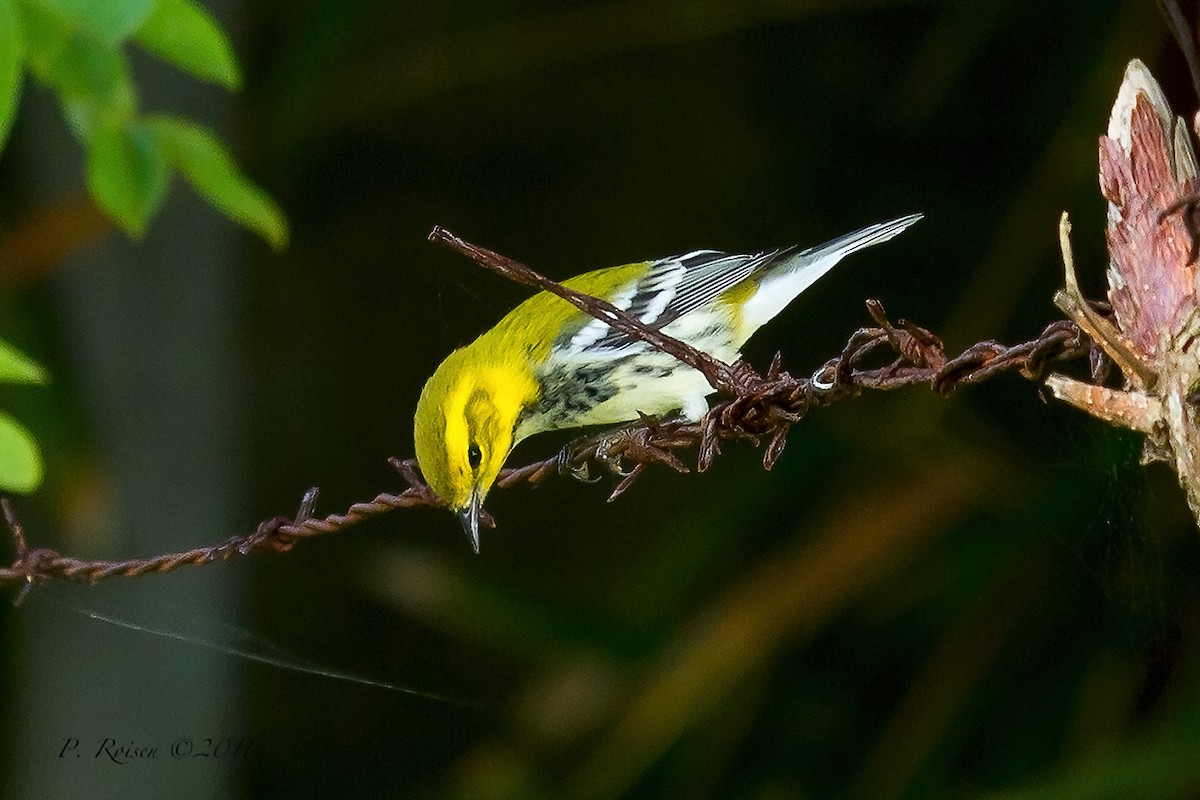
[470, 520]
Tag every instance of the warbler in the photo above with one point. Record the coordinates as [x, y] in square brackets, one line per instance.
[547, 365]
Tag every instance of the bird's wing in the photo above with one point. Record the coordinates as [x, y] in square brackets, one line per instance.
[670, 288]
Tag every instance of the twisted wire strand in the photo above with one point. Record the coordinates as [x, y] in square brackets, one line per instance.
[754, 407]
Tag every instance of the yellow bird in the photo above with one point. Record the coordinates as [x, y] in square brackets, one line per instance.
[547, 365]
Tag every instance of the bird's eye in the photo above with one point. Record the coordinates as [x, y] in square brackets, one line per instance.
[474, 456]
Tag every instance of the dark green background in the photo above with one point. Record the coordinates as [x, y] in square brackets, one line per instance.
[982, 595]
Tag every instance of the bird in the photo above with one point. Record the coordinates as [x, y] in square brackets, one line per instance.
[549, 366]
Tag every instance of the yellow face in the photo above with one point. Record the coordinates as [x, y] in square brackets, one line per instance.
[469, 408]
[463, 429]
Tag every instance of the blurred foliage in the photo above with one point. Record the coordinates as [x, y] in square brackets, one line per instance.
[977, 596]
[77, 48]
[20, 458]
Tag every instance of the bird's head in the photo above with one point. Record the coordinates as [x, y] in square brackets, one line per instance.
[463, 430]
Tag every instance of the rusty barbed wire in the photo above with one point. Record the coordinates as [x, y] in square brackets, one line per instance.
[754, 407]
[36, 566]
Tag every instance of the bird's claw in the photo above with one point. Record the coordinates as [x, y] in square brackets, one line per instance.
[579, 472]
[610, 450]
[607, 452]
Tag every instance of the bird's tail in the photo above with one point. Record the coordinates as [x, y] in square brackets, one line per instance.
[793, 273]
[857, 240]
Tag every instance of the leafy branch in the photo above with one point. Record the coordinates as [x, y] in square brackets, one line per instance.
[77, 48]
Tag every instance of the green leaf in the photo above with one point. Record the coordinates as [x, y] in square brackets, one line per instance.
[45, 39]
[20, 459]
[91, 78]
[109, 21]
[11, 54]
[16, 367]
[206, 164]
[184, 34]
[87, 114]
[86, 68]
[127, 174]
